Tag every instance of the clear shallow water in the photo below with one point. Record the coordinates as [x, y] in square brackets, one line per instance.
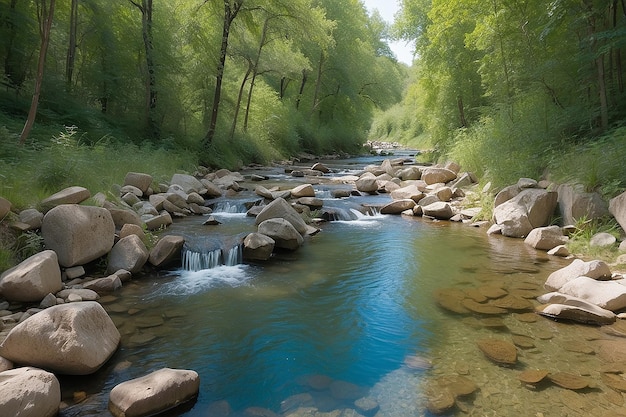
[354, 304]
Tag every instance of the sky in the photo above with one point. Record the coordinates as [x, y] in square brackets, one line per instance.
[387, 9]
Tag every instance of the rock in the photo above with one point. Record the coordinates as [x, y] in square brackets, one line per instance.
[139, 180]
[410, 191]
[282, 232]
[5, 207]
[438, 210]
[312, 202]
[78, 234]
[506, 194]
[526, 183]
[32, 279]
[529, 209]
[128, 253]
[122, 216]
[397, 206]
[513, 303]
[33, 218]
[592, 269]
[70, 195]
[48, 301]
[589, 315]
[439, 401]
[575, 204]
[157, 222]
[132, 229]
[156, 392]
[560, 250]
[258, 247]
[188, 183]
[74, 272]
[83, 293]
[130, 199]
[480, 308]
[321, 168]
[130, 189]
[618, 383]
[340, 193]
[367, 183]
[545, 238]
[609, 295]
[499, 351]
[279, 208]
[428, 200]
[444, 193]
[602, 240]
[569, 381]
[342, 390]
[304, 190]
[409, 174]
[459, 386]
[29, 392]
[434, 175]
[451, 299]
[533, 376]
[617, 207]
[166, 250]
[367, 406]
[104, 285]
[73, 339]
[195, 198]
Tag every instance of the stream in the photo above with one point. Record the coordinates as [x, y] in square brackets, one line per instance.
[350, 316]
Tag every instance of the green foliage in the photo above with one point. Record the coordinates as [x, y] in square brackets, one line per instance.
[585, 229]
[28, 244]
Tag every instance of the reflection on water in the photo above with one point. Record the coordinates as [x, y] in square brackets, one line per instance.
[350, 315]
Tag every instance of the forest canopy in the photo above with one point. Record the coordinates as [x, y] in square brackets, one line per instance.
[247, 79]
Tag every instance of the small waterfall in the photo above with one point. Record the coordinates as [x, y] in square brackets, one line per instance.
[230, 207]
[197, 261]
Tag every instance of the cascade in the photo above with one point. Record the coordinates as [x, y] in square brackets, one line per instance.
[197, 261]
[230, 207]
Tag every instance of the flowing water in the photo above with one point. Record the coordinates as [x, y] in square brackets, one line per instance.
[351, 314]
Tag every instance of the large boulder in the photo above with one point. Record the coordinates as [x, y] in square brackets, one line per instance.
[439, 210]
[78, 234]
[153, 393]
[564, 306]
[139, 180]
[70, 195]
[397, 206]
[279, 208]
[188, 183]
[74, 339]
[32, 217]
[529, 209]
[506, 194]
[129, 253]
[617, 207]
[258, 247]
[123, 216]
[158, 222]
[575, 204]
[29, 392]
[610, 295]
[367, 183]
[304, 190]
[545, 238]
[410, 191]
[166, 250]
[434, 175]
[592, 269]
[284, 234]
[33, 279]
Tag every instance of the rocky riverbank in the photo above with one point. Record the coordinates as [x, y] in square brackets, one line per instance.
[51, 318]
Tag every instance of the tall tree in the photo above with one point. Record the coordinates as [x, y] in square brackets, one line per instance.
[71, 48]
[45, 14]
[152, 126]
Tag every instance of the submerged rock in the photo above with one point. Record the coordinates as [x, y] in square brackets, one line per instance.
[533, 376]
[499, 351]
[569, 381]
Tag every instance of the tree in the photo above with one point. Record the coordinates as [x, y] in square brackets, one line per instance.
[45, 14]
[71, 48]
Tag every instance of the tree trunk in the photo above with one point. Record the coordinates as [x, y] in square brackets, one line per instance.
[45, 15]
[302, 84]
[255, 72]
[71, 49]
[459, 102]
[318, 83]
[239, 97]
[230, 13]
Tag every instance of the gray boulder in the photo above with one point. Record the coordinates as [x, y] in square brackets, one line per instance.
[103, 285]
[157, 222]
[592, 269]
[279, 208]
[284, 234]
[367, 183]
[70, 195]
[139, 180]
[258, 247]
[166, 251]
[32, 279]
[617, 207]
[304, 190]
[529, 209]
[78, 234]
[410, 173]
[589, 315]
[506, 194]
[123, 216]
[29, 392]
[610, 295]
[575, 204]
[73, 339]
[32, 218]
[439, 210]
[410, 191]
[212, 190]
[397, 206]
[153, 393]
[129, 253]
[434, 175]
[545, 238]
[188, 183]
[602, 239]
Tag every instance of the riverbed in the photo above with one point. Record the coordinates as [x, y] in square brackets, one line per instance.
[351, 316]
